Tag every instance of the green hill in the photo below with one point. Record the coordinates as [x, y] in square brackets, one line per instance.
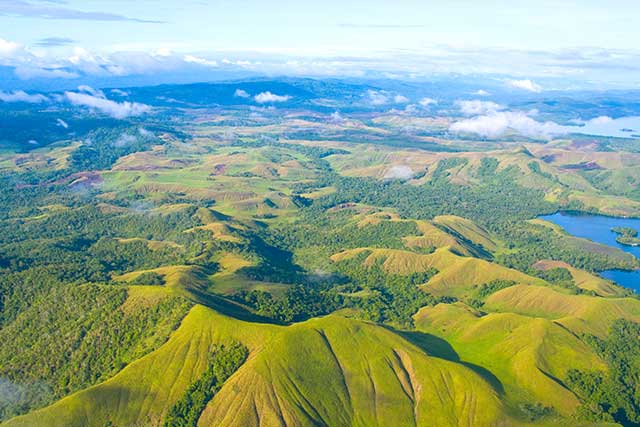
[340, 371]
[527, 355]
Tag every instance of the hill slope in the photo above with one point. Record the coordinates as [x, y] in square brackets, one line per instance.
[339, 371]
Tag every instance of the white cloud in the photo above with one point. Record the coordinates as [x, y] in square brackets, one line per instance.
[477, 107]
[118, 110]
[400, 99]
[62, 123]
[8, 48]
[399, 172]
[27, 73]
[336, 117]
[411, 109]
[239, 93]
[425, 102]
[528, 85]
[377, 98]
[119, 92]
[265, 97]
[601, 120]
[21, 96]
[91, 91]
[497, 123]
[200, 61]
[481, 92]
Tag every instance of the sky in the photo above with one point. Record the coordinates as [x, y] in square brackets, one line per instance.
[569, 40]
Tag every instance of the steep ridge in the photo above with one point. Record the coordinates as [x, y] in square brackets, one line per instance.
[339, 372]
[333, 370]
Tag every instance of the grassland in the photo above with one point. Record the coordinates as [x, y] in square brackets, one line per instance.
[357, 374]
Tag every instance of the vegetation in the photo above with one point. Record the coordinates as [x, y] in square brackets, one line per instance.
[141, 265]
[76, 336]
[148, 278]
[612, 396]
[224, 361]
[487, 289]
[627, 236]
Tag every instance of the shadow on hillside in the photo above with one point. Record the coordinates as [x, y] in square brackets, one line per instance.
[437, 347]
[227, 307]
[430, 344]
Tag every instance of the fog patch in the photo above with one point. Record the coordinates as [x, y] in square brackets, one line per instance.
[17, 398]
[400, 99]
[125, 140]
[402, 172]
[377, 98]
[146, 133]
[120, 92]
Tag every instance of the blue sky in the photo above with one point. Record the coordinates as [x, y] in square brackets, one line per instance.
[569, 39]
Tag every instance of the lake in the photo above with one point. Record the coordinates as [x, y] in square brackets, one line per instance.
[623, 127]
[598, 229]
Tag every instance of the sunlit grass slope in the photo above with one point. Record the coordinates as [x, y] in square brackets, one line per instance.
[456, 276]
[331, 371]
[142, 392]
[578, 313]
[529, 356]
[339, 372]
[467, 230]
[583, 279]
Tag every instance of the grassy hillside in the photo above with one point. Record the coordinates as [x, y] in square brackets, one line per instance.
[578, 313]
[456, 275]
[527, 355]
[339, 371]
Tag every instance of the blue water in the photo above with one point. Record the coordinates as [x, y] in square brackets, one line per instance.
[598, 229]
[623, 127]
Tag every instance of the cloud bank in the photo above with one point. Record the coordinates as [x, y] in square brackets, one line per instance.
[190, 59]
[498, 123]
[97, 101]
[21, 96]
[425, 102]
